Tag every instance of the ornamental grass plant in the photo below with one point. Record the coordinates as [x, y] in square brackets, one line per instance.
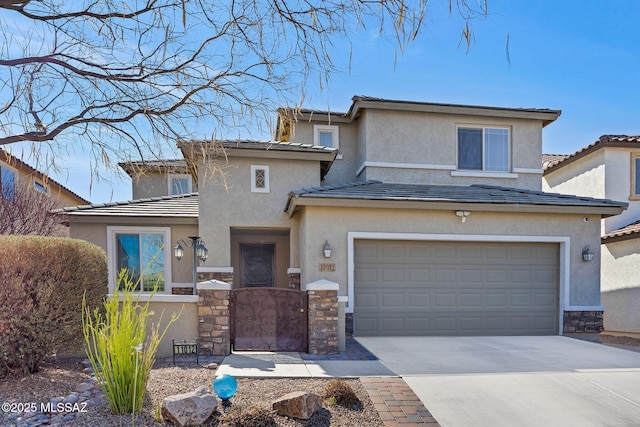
[121, 345]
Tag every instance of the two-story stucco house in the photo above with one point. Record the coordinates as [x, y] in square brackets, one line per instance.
[609, 167]
[430, 218]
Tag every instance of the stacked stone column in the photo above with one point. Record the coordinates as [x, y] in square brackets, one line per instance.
[214, 335]
[322, 317]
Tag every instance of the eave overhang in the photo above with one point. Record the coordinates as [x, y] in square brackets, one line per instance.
[375, 194]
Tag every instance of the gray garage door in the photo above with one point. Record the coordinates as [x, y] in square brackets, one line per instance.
[455, 288]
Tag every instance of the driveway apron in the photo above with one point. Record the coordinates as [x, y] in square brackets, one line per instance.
[517, 381]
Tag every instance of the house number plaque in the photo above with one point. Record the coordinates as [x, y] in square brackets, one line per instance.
[327, 267]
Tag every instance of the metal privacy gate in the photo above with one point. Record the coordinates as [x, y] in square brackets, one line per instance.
[271, 319]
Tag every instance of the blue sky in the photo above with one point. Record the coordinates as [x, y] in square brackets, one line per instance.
[581, 57]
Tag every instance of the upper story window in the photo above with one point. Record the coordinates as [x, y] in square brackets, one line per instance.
[7, 183]
[483, 149]
[141, 251]
[635, 175]
[259, 179]
[180, 184]
[326, 135]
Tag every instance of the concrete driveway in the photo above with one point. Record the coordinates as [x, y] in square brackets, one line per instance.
[517, 381]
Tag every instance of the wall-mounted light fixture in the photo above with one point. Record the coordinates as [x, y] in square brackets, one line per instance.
[200, 252]
[326, 249]
[463, 215]
[587, 254]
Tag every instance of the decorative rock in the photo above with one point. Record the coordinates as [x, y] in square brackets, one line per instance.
[212, 366]
[297, 404]
[72, 398]
[189, 408]
[85, 386]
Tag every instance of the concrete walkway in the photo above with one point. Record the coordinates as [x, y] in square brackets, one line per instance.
[517, 381]
[395, 401]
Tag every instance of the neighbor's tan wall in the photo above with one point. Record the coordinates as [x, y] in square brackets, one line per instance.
[181, 271]
[621, 286]
[236, 206]
[618, 187]
[583, 177]
[321, 223]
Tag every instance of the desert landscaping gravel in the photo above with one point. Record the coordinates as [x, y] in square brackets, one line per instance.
[63, 378]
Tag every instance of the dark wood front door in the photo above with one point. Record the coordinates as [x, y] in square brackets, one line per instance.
[271, 319]
[257, 265]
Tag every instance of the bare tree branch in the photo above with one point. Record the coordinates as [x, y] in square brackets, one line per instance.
[127, 77]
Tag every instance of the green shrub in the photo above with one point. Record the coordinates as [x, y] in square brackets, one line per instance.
[42, 283]
[120, 351]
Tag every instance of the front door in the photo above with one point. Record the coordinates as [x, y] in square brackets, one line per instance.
[257, 265]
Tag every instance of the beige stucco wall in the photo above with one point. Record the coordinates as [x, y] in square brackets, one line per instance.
[184, 328]
[181, 271]
[404, 137]
[149, 185]
[153, 184]
[618, 187]
[235, 206]
[399, 139]
[324, 223]
[583, 177]
[621, 285]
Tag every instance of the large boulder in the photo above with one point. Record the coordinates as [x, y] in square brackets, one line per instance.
[189, 409]
[297, 404]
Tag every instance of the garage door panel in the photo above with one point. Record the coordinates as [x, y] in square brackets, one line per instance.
[455, 288]
[418, 299]
[392, 301]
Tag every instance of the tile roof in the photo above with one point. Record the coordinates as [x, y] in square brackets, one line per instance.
[485, 194]
[134, 168]
[361, 101]
[244, 144]
[631, 231]
[631, 141]
[551, 159]
[182, 206]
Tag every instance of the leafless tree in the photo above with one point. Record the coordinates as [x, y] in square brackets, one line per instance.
[118, 79]
[25, 210]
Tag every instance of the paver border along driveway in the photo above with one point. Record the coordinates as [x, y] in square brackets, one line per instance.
[517, 381]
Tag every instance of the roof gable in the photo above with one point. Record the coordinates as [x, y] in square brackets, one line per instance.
[552, 162]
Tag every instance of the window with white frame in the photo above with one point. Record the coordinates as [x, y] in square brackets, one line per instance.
[180, 184]
[142, 253]
[7, 183]
[483, 149]
[635, 175]
[326, 136]
[259, 179]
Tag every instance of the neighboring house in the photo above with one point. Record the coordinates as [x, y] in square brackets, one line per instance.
[609, 168]
[434, 214]
[27, 197]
